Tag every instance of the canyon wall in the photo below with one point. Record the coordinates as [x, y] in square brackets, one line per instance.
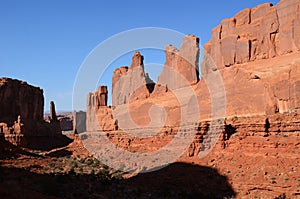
[263, 32]
[19, 98]
[257, 54]
[254, 58]
[22, 112]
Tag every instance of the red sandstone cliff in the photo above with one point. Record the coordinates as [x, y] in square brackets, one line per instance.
[261, 46]
[183, 62]
[256, 56]
[262, 32]
[21, 112]
[130, 83]
[19, 98]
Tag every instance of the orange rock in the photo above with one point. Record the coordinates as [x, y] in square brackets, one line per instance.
[271, 30]
[181, 66]
[243, 17]
[127, 81]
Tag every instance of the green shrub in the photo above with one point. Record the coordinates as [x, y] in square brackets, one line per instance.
[103, 174]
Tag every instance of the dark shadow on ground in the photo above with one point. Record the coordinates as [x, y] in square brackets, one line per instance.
[178, 180]
[47, 143]
[181, 180]
[10, 151]
[60, 153]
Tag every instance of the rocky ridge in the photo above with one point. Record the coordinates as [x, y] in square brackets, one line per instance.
[21, 113]
[256, 54]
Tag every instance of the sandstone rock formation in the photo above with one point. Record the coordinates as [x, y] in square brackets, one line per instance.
[259, 45]
[21, 112]
[101, 96]
[53, 117]
[18, 126]
[98, 115]
[131, 83]
[15, 133]
[19, 98]
[79, 121]
[181, 66]
[66, 122]
[262, 32]
[254, 56]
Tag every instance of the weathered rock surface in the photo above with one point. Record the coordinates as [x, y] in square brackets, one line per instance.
[98, 117]
[262, 32]
[53, 117]
[131, 83]
[66, 122]
[79, 121]
[181, 66]
[263, 74]
[19, 98]
[21, 112]
[101, 96]
[255, 57]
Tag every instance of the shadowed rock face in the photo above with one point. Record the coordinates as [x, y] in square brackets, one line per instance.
[53, 117]
[21, 112]
[19, 98]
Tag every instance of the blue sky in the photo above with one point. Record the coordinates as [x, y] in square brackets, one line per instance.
[45, 42]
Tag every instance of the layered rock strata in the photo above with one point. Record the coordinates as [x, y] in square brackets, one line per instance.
[254, 58]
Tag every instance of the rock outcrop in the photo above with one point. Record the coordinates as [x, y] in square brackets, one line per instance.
[260, 46]
[98, 115]
[53, 117]
[131, 83]
[79, 121]
[21, 112]
[254, 56]
[181, 66]
[15, 133]
[263, 32]
[19, 98]
[66, 122]
[101, 96]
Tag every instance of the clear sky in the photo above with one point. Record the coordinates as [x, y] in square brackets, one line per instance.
[45, 42]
